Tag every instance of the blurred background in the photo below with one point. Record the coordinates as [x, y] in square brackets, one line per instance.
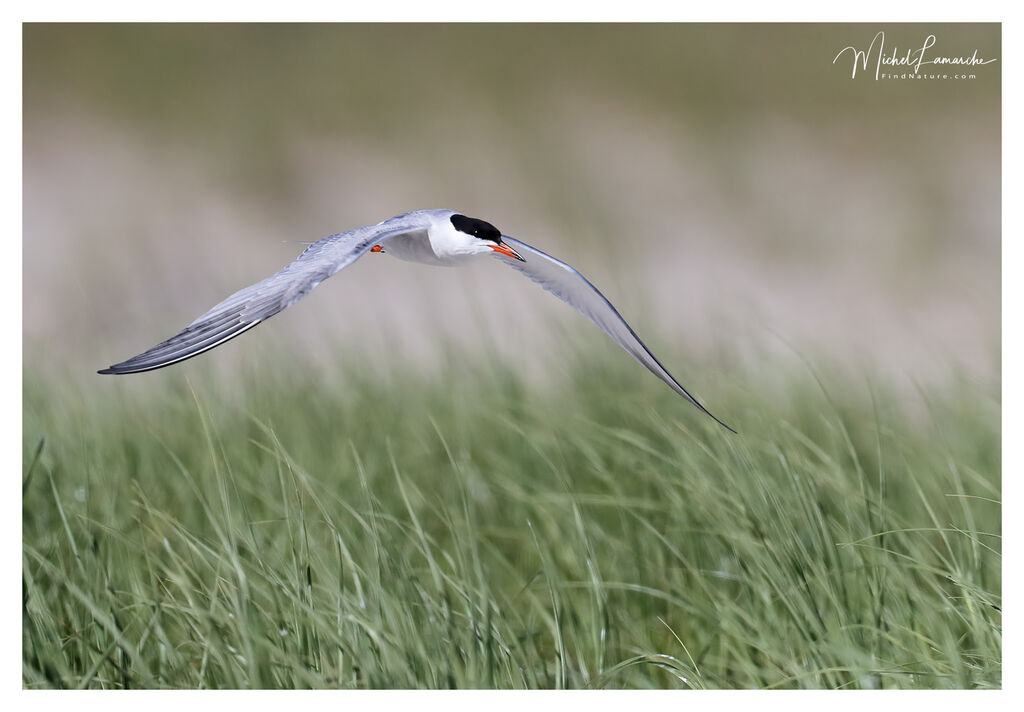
[729, 188]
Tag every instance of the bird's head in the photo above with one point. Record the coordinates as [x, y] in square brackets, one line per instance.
[479, 237]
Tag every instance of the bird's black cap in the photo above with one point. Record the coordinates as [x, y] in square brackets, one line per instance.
[477, 228]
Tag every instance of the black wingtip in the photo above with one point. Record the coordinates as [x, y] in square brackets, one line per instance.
[116, 370]
[734, 432]
[123, 369]
[707, 412]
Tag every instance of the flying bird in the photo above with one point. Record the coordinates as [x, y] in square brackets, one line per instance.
[433, 237]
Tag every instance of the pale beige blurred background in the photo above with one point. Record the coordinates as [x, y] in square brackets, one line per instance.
[727, 187]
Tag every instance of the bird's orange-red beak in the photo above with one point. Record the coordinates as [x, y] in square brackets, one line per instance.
[504, 249]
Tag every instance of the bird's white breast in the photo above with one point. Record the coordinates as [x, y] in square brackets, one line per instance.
[414, 248]
[440, 245]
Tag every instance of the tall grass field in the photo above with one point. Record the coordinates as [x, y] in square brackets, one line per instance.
[332, 528]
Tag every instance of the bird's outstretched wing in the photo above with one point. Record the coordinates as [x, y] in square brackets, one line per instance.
[574, 289]
[248, 307]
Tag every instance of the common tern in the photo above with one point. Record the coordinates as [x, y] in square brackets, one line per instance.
[433, 237]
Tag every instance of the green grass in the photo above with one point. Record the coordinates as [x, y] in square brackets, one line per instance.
[295, 529]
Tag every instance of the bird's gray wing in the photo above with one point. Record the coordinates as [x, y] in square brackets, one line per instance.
[248, 307]
[574, 289]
